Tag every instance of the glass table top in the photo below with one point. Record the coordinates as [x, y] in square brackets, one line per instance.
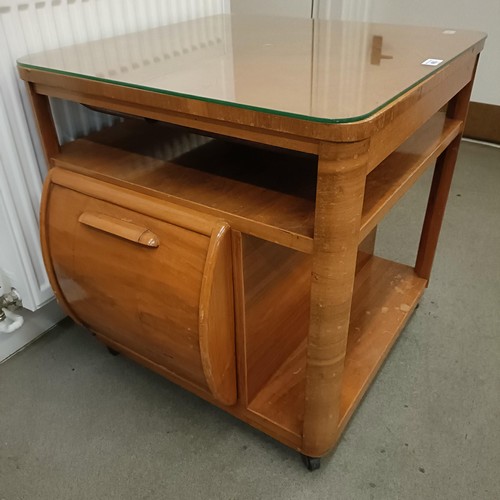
[326, 71]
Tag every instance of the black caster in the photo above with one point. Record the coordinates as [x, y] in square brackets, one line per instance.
[112, 351]
[312, 463]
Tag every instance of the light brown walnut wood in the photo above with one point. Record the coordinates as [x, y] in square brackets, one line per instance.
[121, 228]
[409, 114]
[216, 318]
[282, 398]
[134, 200]
[239, 316]
[171, 304]
[277, 288]
[277, 207]
[45, 244]
[366, 249]
[258, 192]
[339, 202]
[44, 122]
[385, 294]
[277, 130]
[243, 268]
[277, 284]
[398, 173]
[441, 184]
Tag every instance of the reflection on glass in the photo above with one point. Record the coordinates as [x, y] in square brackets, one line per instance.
[377, 47]
[317, 70]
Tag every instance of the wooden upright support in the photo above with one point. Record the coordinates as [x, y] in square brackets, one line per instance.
[339, 203]
[44, 122]
[441, 183]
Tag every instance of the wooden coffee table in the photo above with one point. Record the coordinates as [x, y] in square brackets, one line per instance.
[222, 231]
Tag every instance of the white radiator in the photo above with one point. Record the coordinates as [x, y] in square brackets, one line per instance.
[32, 26]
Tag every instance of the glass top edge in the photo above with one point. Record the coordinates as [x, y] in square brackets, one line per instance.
[309, 118]
[207, 99]
[158, 86]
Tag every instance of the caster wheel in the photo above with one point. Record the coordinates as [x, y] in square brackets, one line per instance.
[311, 463]
[112, 351]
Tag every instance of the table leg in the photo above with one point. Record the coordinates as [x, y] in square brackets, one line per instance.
[339, 203]
[45, 123]
[440, 188]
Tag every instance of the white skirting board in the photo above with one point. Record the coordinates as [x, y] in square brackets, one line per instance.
[35, 324]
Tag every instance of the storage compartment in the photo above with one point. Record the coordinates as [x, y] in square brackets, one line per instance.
[268, 197]
[277, 288]
[385, 294]
[152, 277]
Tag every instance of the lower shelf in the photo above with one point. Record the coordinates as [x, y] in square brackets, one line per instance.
[385, 295]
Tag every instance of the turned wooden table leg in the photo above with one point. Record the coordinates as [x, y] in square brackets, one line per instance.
[440, 188]
[339, 202]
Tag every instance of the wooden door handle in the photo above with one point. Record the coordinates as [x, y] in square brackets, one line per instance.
[121, 228]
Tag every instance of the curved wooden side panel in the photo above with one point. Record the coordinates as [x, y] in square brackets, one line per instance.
[47, 259]
[216, 330]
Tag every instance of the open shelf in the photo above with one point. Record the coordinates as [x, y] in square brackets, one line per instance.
[385, 295]
[259, 191]
[399, 171]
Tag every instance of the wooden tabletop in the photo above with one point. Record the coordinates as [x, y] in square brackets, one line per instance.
[322, 71]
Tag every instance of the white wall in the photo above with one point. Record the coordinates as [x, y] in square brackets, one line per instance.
[293, 8]
[324, 9]
[481, 15]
